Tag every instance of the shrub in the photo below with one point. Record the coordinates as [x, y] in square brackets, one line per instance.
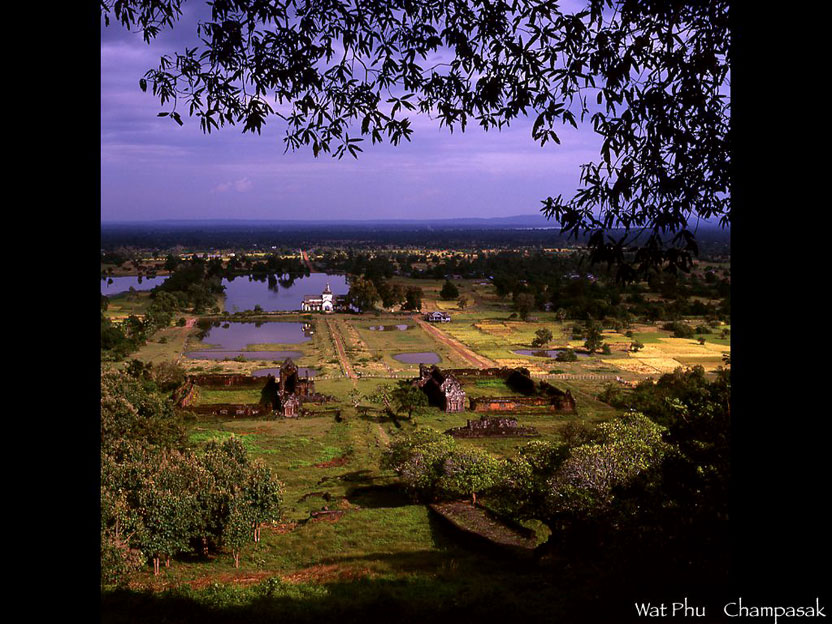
[679, 329]
[567, 355]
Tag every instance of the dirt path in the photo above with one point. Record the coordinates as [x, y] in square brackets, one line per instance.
[305, 257]
[455, 345]
[339, 347]
[383, 434]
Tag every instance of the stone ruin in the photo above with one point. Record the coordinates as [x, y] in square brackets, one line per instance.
[284, 394]
[492, 427]
[442, 389]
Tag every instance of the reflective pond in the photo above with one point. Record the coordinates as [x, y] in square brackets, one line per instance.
[227, 340]
[303, 371]
[237, 335]
[272, 356]
[389, 327]
[244, 292]
[116, 285]
[425, 357]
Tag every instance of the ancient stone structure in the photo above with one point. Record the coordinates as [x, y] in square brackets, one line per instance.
[560, 400]
[492, 427]
[442, 389]
[283, 394]
[226, 380]
[236, 410]
[506, 404]
[286, 392]
[502, 373]
[550, 396]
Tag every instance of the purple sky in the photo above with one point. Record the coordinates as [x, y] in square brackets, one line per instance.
[153, 169]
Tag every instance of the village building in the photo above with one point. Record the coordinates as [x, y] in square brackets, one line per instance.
[438, 317]
[442, 389]
[325, 302]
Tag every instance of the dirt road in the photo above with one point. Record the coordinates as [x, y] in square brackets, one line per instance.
[306, 260]
[456, 346]
[339, 348]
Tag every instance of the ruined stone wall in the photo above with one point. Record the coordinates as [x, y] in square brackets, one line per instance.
[502, 373]
[235, 410]
[496, 404]
[227, 380]
[492, 427]
[185, 394]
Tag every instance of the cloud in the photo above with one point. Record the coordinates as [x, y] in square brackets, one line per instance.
[243, 185]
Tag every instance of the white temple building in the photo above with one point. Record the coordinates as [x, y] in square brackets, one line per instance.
[325, 302]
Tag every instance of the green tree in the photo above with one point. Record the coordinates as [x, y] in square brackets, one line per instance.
[382, 395]
[168, 510]
[468, 471]
[567, 355]
[362, 294]
[418, 460]
[132, 413]
[161, 310]
[542, 337]
[408, 398]
[263, 492]
[593, 337]
[413, 299]
[524, 303]
[462, 302]
[449, 291]
[237, 527]
[619, 450]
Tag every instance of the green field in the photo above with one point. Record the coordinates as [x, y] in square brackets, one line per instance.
[381, 534]
[381, 546]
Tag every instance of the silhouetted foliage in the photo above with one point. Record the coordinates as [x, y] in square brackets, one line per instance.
[651, 77]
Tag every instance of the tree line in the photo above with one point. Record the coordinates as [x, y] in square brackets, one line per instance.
[161, 499]
[651, 485]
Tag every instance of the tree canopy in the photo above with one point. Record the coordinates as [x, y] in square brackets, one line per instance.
[650, 76]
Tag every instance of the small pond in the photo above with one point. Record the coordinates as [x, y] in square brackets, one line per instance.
[243, 292]
[237, 335]
[228, 340]
[115, 285]
[390, 327]
[303, 371]
[425, 357]
[547, 353]
[272, 356]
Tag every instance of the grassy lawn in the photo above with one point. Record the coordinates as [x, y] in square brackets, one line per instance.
[123, 305]
[380, 346]
[326, 463]
[212, 396]
[165, 345]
